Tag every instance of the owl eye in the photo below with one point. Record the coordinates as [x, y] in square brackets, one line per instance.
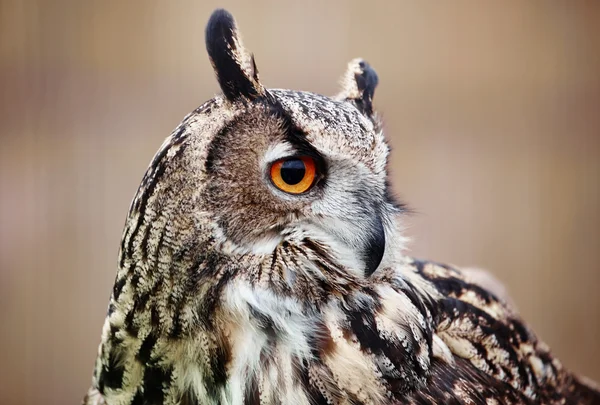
[293, 175]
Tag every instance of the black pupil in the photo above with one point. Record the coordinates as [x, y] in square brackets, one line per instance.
[292, 171]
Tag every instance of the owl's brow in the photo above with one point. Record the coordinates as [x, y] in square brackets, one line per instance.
[292, 133]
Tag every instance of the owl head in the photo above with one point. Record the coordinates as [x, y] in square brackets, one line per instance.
[255, 168]
[262, 211]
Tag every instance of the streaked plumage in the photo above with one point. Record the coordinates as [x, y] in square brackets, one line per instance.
[230, 290]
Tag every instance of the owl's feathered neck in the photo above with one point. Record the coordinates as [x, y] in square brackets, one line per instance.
[211, 313]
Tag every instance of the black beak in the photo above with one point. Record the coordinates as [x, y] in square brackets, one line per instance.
[375, 247]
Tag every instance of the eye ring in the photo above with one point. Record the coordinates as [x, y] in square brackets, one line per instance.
[294, 175]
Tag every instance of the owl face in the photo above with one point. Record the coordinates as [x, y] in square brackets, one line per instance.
[275, 166]
[299, 165]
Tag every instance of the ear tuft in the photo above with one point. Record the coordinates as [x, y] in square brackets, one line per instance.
[234, 66]
[358, 85]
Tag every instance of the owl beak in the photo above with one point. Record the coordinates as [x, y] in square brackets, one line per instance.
[375, 246]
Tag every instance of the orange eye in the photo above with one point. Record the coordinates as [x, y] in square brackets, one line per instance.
[294, 175]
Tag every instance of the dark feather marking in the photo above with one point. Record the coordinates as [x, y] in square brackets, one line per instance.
[321, 342]
[215, 149]
[143, 355]
[325, 265]
[130, 326]
[123, 246]
[452, 286]
[297, 137]
[409, 291]
[221, 45]
[154, 318]
[118, 287]
[194, 273]
[447, 381]
[112, 372]
[366, 81]
[207, 107]
[111, 309]
[156, 378]
[252, 393]
[212, 298]
[160, 243]
[483, 353]
[315, 395]
[146, 189]
[509, 333]
[177, 328]
[144, 242]
[138, 399]
[218, 364]
[419, 265]
[490, 327]
[522, 332]
[265, 323]
[181, 253]
[194, 277]
[273, 264]
[134, 282]
[362, 324]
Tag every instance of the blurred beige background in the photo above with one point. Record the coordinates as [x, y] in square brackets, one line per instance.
[492, 109]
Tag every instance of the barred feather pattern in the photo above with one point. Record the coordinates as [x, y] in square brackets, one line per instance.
[230, 291]
[193, 321]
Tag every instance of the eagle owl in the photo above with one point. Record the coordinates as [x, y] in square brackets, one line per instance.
[262, 263]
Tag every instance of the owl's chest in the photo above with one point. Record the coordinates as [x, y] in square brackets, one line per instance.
[265, 342]
[284, 353]
[262, 327]
[271, 349]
